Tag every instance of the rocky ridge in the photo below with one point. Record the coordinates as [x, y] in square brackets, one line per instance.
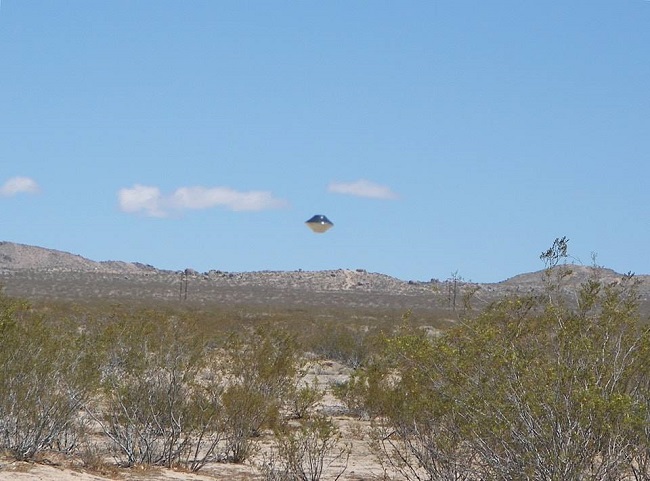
[20, 257]
[36, 272]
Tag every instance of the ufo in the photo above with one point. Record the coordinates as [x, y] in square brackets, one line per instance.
[319, 224]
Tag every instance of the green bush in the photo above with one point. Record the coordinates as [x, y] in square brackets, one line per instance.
[304, 452]
[266, 360]
[154, 407]
[304, 399]
[532, 388]
[262, 371]
[44, 382]
[339, 342]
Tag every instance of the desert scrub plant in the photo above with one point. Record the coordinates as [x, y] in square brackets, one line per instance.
[363, 393]
[591, 362]
[267, 360]
[640, 460]
[44, 382]
[245, 410]
[306, 451]
[532, 388]
[262, 371]
[415, 428]
[304, 399]
[153, 407]
[337, 341]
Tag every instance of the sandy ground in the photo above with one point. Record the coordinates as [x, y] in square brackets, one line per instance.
[25, 471]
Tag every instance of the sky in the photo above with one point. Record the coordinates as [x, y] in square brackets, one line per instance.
[451, 137]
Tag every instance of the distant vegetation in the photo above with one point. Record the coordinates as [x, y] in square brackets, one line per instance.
[532, 387]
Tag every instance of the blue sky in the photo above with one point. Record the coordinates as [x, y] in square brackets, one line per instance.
[438, 136]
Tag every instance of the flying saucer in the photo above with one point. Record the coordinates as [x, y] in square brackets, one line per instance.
[319, 224]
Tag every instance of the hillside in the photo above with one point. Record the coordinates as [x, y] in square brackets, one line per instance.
[40, 273]
[16, 257]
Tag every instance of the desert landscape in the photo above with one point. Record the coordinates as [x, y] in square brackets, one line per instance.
[39, 273]
[298, 300]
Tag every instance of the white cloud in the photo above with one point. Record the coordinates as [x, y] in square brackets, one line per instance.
[151, 202]
[362, 188]
[19, 185]
[142, 198]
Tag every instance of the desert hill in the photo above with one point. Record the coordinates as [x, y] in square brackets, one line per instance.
[40, 273]
[20, 257]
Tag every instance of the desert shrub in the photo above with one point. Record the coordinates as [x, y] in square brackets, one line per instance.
[339, 342]
[168, 399]
[363, 393]
[246, 410]
[532, 388]
[92, 456]
[304, 399]
[267, 360]
[154, 407]
[640, 461]
[262, 368]
[44, 382]
[304, 452]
